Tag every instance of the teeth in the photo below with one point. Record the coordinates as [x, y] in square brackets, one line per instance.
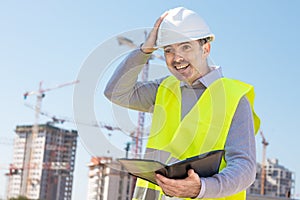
[181, 67]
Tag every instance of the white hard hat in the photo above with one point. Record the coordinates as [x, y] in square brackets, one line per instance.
[181, 25]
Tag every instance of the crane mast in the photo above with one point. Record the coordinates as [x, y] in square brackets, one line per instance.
[27, 179]
[263, 164]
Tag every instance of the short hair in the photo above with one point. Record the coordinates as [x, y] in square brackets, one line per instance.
[203, 41]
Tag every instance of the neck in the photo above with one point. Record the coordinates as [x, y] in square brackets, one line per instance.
[201, 74]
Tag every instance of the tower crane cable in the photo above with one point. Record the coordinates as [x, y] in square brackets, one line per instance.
[62, 120]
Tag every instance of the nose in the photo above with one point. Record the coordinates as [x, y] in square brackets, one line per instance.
[177, 58]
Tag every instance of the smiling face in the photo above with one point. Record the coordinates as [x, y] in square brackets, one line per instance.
[187, 61]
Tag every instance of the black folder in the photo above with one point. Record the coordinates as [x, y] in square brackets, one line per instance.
[205, 165]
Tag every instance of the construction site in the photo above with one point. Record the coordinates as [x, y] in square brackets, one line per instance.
[272, 179]
[44, 161]
[43, 158]
[47, 172]
[42, 169]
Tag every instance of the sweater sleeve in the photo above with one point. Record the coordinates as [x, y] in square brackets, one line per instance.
[240, 155]
[125, 90]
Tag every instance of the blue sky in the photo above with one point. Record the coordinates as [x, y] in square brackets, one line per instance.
[256, 41]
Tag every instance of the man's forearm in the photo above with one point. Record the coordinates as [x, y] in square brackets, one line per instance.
[240, 156]
[123, 87]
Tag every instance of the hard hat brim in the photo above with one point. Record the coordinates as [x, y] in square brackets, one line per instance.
[170, 37]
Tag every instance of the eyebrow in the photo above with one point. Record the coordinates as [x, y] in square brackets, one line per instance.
[178, 44]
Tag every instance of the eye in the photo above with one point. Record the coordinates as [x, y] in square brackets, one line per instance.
[186, 47]
[168, 50]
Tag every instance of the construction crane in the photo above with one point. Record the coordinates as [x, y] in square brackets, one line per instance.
[40, 94]
[263, 163]
[138, 134]
[13, 170]
[101, 125]
[61, 120]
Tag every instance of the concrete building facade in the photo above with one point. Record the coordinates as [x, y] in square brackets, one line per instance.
[279, 181]
[108, 181]
[42, 167]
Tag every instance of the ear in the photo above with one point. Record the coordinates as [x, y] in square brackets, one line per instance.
[206, 49]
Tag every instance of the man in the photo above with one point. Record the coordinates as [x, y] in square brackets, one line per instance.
[194, 111]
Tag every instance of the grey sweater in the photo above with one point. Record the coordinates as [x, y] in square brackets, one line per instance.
[240, 154]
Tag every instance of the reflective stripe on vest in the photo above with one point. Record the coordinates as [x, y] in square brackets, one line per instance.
[205, 127]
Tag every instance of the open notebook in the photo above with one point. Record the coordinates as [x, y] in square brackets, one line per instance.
[205, 165]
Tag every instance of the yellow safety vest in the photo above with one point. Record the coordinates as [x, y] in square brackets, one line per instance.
[203, 129]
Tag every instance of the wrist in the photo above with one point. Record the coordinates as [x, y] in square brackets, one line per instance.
[145, 50]
[202, 189]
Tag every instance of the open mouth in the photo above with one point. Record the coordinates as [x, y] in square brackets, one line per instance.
[182, 67]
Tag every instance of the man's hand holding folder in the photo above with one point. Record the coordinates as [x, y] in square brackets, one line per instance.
[205, 165]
